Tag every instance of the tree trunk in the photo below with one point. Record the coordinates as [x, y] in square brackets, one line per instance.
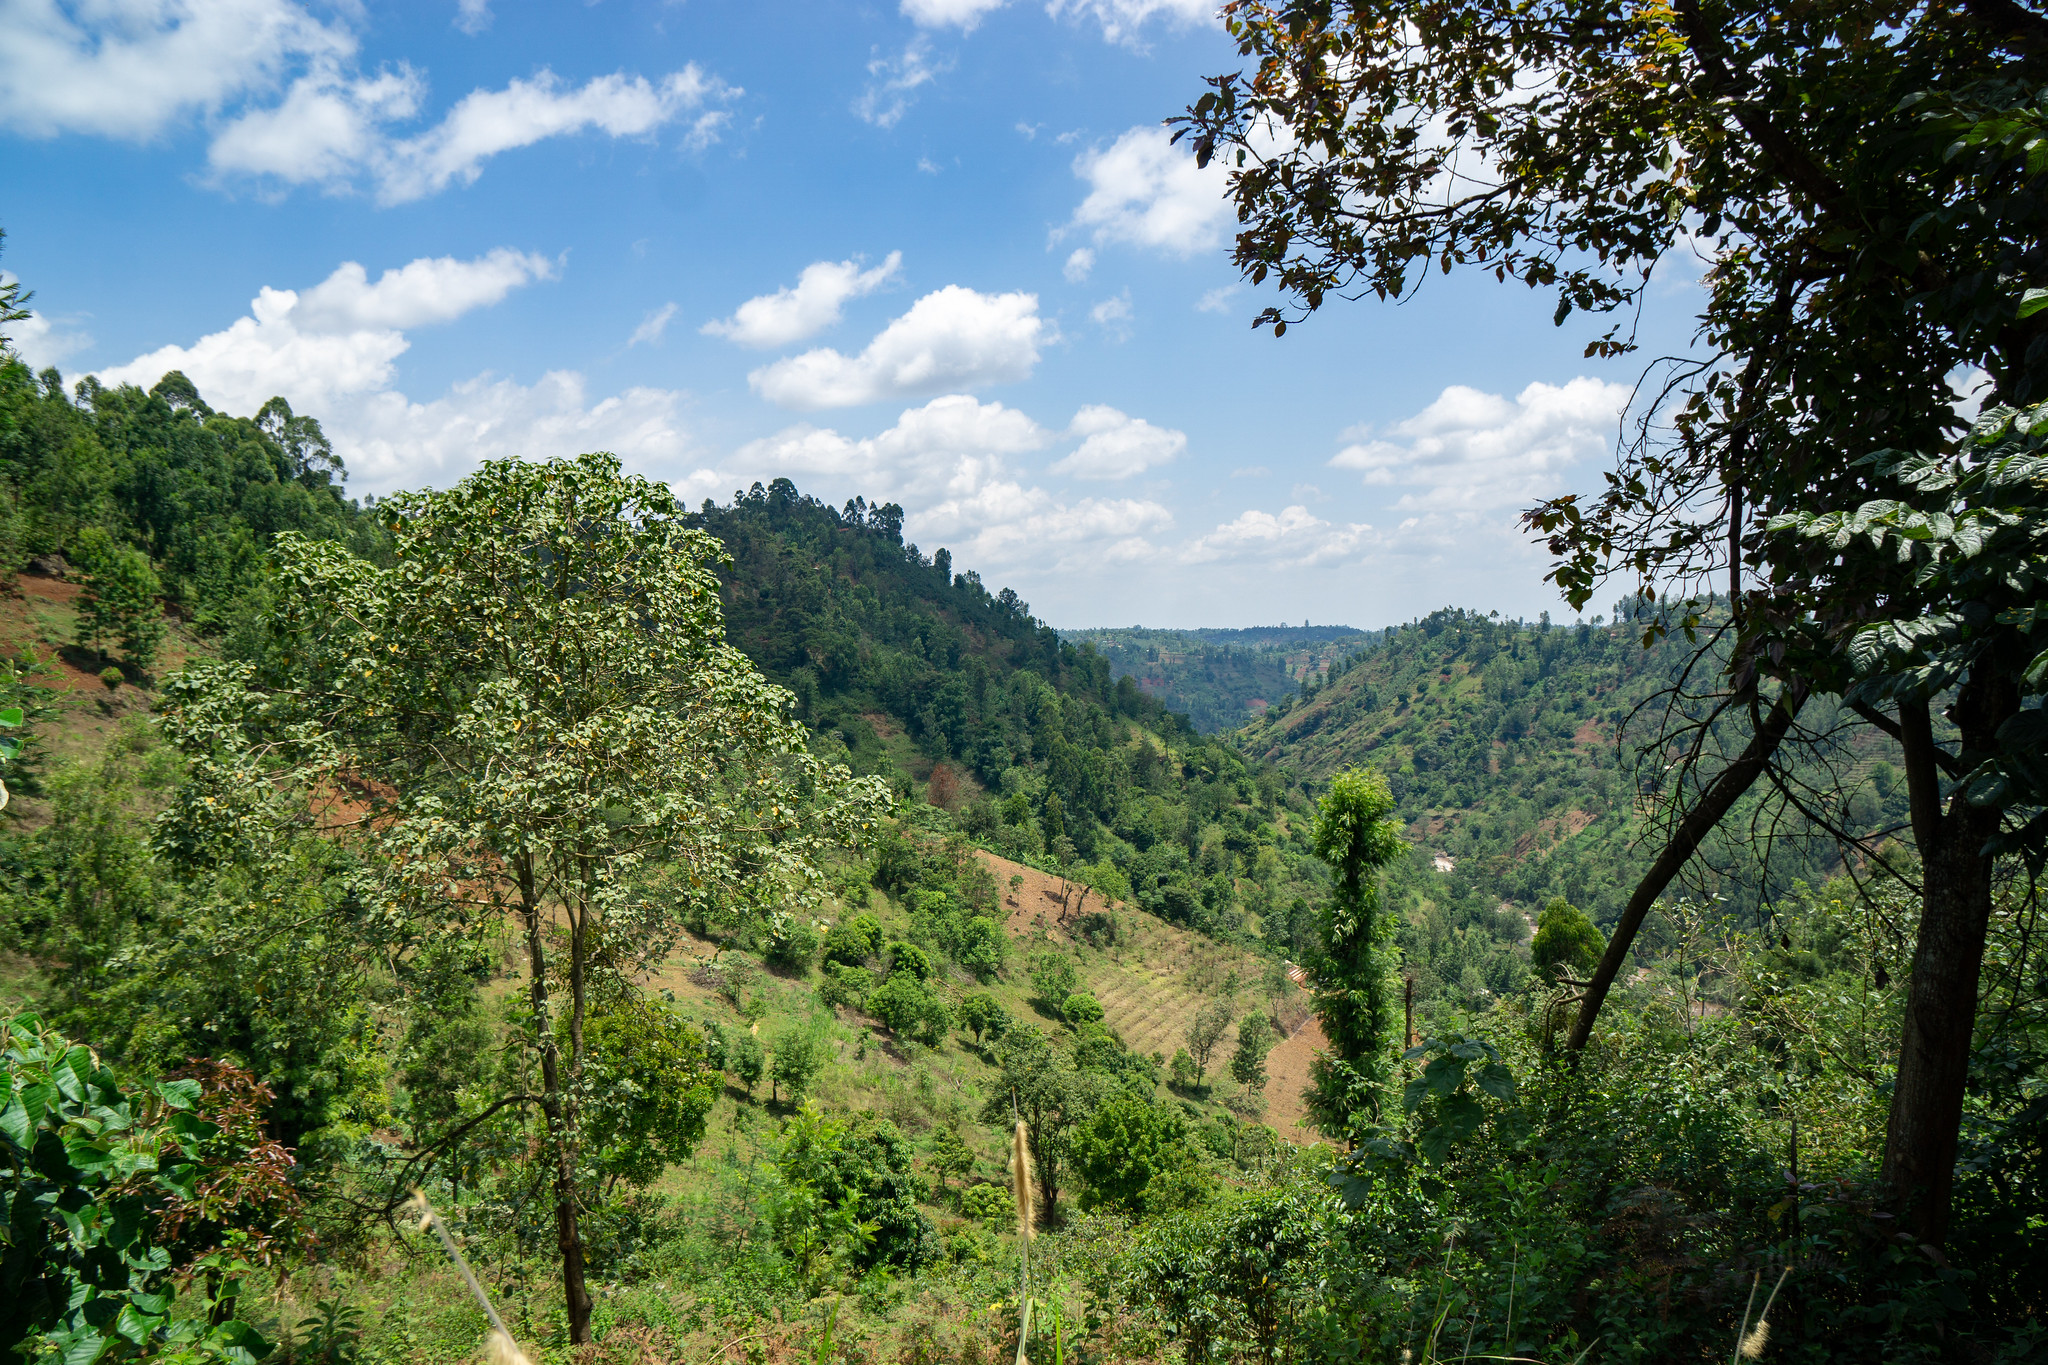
[568, 1235]
[1941, 1000]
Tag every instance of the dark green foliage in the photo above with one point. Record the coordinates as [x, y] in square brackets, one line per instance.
[745, 1061]
[117, 599]
[793, 947]
[800, 1054]
[126, 1198]
[1127, 1142]
[1244, 1272]
[849, 1188]
[854, 941]
[1248, 1059]
[848, 986]
[911, 1008]
[949, 1155]
[909, 960]
[984, 1017]
[149, 491]
[1566, 942]
[1081, 1008]
[1053, 975]
[1040, 1084]
[651, 1089]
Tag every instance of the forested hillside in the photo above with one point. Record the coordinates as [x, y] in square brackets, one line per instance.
[1514, 752]
[697, 933]
[101, 475]
[900, 665]
[1221, 678]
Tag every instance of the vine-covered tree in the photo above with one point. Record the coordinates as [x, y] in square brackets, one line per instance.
[1357, 959]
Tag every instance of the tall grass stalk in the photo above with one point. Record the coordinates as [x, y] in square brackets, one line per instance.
[1750, 1341]
[1020, 1184]
[499, 1347]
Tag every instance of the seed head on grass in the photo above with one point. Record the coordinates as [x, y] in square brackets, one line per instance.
[500, 1349]
[1020, 1180]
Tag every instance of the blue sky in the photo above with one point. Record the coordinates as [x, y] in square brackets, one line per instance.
[935, 251]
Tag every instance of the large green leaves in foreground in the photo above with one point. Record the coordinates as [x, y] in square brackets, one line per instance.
[120, 1197]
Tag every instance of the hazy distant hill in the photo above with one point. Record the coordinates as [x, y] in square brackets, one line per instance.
[1221, 679]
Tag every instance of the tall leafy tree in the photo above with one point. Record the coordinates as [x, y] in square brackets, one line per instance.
[531, 716]
[1864, 180]
[1355, 970]
[118, 602]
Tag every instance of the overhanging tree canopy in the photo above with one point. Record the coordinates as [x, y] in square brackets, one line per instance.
[1864, 183]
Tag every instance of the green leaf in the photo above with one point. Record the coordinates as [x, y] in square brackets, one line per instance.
[1443, 1074]
[10, 716]
[14, 1124]
[2033, 301]
[1462, 1116]
[1497, 1081]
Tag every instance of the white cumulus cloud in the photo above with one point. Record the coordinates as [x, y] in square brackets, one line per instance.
[1292, 538]
[1121, 19]
[331, 350]
[1080, 261]
[428, 290]
[1473, 451]
[332, 129]
[128, 68]
[961, 14]
[1143, 191]
[41, 340]
[950, 463]
[800, 311]
[952, 338]
[1117, 446]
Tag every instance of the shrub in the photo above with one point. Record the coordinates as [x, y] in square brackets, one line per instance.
[992, 1205]
[1566, 941]
[1081, 1008]
[854, 941]
[1053, 975]
[849, 986]
[984, 1017]
[1125, 1143]
[911, 960]
[745, 1060]
[793, 949]
[910, 1009]
[984, 948]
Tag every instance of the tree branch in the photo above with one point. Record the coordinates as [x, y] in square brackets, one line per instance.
[2009, 19]
[1737, 778]
[1942, 757]
[1791, 159]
